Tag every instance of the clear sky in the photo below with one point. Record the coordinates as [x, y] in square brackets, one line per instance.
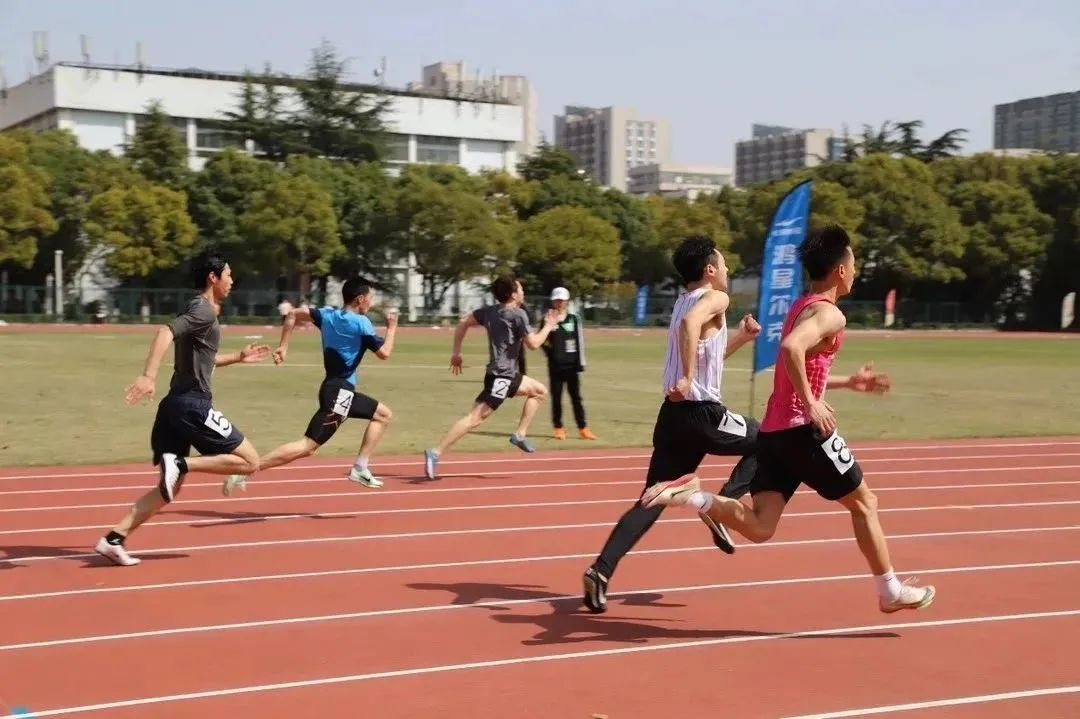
[713, 68]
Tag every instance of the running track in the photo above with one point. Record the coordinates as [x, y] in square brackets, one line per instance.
[308, 596]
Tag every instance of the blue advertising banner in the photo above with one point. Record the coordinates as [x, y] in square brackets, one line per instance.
[642, 304]
[781, 272]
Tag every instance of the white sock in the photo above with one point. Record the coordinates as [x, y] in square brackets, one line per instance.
[701, 501]
[360, 464]
[888, 586]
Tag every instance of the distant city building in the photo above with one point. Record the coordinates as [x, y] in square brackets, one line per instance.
[103, 106]
[675, 180]
[609, 141]
[774, 151]
[451, 79]
[1051, 122]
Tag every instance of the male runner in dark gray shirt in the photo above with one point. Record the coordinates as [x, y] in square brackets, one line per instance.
[508, 328]
[186, 416]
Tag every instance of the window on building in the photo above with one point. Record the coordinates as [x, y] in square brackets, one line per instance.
[211, 135]
[438, 149]
[397, 148]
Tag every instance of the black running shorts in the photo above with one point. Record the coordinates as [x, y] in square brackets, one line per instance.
[497, 389]
[687, 431]
[188, 419]
[803, 455]
[338, 401]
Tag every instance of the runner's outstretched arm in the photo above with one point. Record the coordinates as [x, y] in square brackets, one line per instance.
[297, 315]
[864, 380]
[747, 331]
[145, 384]
[387, 348]
[536, 339]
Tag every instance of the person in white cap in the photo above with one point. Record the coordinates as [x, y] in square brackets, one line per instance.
[565, 350]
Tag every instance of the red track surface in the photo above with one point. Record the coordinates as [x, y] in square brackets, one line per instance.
[308, 596]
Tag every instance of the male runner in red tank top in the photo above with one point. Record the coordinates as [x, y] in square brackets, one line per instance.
[798, 442]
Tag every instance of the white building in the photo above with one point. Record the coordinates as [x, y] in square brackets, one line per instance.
[451, 79]
[676, 180]
[102, 106]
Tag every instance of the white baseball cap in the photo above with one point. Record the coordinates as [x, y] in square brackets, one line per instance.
[560, 293]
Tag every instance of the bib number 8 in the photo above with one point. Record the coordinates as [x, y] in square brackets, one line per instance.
[837, 451]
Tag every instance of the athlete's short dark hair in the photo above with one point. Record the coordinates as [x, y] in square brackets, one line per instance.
[503, 287]
[824, 249]
[692, 256]
[354, 287]
[204, 264]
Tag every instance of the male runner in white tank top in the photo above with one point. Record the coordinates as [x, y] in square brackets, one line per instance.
[693, 420]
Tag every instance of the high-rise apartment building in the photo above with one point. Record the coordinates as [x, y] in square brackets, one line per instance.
[775, 151]
[1049, 123]
[609, 141]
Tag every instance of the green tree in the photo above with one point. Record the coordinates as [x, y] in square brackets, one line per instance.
[292, 220]
[57, 153]
[1008, 237]
[261, 116]
[453, 234]
[749, 214]
[909, 234]
[549, 161]
[361, 196]
[220, 194]
[1054, 183]
[671, 220]
[142, 228]
[567, 246]
[159, 150]
[24, 205]
[330, 117]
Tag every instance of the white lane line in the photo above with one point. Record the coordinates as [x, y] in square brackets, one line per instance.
[366, 495]
[551, 458]
[535, 659]
[365, 570]
[261, 481]
[933, 704]
[520, 505]
[209, 628]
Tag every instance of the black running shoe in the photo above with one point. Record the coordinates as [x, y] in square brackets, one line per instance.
[595, 591]
[720, 536]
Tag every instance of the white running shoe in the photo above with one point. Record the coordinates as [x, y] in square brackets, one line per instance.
[115, 553]
[232, 483]
[171, 478]
[911, 597]
[365, 477]
[671, 493]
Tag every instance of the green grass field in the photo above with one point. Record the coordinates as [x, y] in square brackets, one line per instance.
[62, 393]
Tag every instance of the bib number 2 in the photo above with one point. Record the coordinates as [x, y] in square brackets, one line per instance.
[500, 387]
[837, 451]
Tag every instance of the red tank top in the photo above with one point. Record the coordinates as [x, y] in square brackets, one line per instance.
[785, 409]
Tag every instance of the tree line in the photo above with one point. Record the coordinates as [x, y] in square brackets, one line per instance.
[999, 234]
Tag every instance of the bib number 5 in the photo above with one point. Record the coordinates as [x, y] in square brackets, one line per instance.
[216, 421]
